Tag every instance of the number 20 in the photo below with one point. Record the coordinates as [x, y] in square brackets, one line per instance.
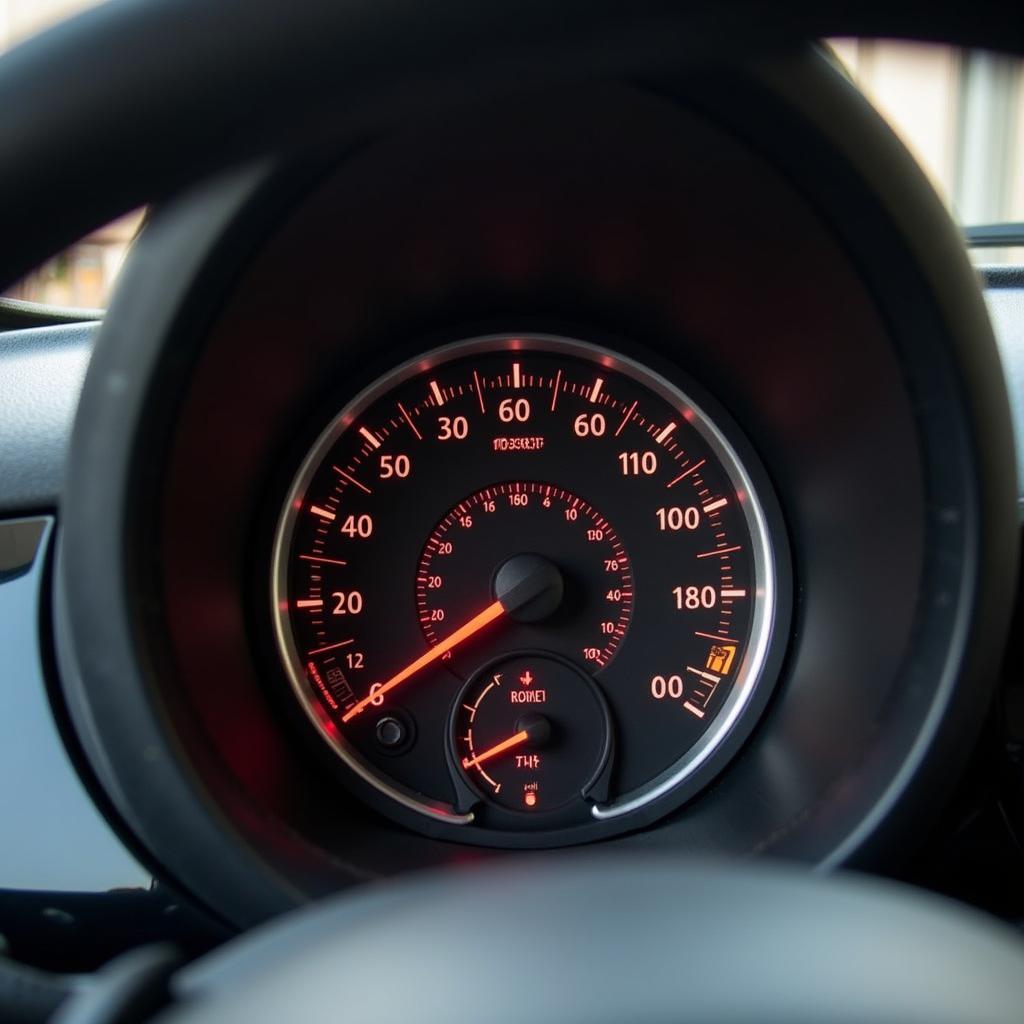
[347, 602]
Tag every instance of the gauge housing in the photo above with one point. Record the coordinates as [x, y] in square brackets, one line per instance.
[758, 228]
[700, 448]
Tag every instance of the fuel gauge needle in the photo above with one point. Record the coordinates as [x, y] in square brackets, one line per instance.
[499, 748]
[532, 728]
[463, 633]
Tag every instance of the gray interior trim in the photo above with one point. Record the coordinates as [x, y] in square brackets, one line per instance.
[1004, 296]
[17, 314]
[43, 804]
[41, 374]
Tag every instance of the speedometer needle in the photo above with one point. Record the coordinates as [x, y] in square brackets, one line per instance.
[464, 632]
[527, 584]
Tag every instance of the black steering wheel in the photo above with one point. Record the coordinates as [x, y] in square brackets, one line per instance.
[134, 100]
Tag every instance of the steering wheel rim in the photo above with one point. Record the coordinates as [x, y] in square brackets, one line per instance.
[599, 939]
[104, 135]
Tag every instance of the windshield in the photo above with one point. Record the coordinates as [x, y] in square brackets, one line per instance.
[961, 113]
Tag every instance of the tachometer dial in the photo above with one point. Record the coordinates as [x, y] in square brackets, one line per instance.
[514, 507]
[594, 577]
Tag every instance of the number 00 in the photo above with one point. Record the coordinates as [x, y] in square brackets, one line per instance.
[667, 686]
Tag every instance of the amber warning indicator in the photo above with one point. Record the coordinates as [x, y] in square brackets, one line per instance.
[720, 659]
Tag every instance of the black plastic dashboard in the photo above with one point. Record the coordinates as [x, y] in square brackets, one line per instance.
[48, 892]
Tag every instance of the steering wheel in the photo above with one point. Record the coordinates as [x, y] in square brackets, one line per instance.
[135, 100]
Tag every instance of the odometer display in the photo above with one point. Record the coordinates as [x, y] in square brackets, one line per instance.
[554, 508]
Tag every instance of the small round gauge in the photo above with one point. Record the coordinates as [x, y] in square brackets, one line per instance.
[531, 733]
[529, 592]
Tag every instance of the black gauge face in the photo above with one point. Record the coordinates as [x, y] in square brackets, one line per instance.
[532, 733]
[527, 590]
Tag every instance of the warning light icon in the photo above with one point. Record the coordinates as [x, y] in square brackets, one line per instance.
[720, 659]
[530, 791]
[530, 798]
[526, 678]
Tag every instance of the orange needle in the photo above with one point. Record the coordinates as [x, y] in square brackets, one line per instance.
[499, 748]
[464, 632]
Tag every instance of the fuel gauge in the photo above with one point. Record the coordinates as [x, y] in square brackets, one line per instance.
[531, 733]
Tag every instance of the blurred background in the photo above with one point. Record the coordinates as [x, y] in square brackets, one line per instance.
[960, 112]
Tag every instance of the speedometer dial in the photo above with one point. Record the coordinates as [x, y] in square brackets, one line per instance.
[528, 592]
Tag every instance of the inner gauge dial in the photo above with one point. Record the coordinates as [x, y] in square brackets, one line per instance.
[526, 589]
[587, 609]
[531, 732]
